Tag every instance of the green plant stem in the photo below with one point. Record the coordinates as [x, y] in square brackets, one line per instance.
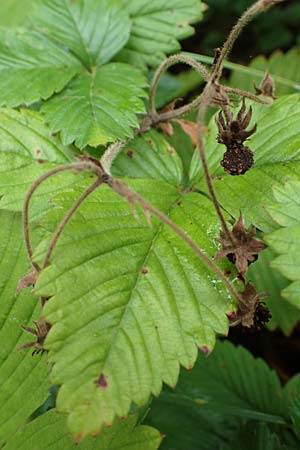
[79, 166]
[67, 217]
[131, 197]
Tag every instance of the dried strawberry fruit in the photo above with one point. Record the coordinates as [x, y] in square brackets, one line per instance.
[237, 160]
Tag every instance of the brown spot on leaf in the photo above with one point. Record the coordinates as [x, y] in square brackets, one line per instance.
[204, 349]
[179, 203]
[130, 153]
[41, 161]
[38, 151]
[150, 142]
[144, 270]
[102, 381]
[189, 369]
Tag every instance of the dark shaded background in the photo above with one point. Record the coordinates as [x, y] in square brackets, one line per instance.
[279, 28]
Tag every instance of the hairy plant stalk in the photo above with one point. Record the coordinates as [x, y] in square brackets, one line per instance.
[244, 94]
[256, 8]
[206, 98]
[165, 65]
[110, 155]
[78, 166]
[67, 217]
[132, 197]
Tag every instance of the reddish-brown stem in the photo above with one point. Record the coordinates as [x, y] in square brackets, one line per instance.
[79, 166]
[67, 217]
[174, 59]
[206, 98]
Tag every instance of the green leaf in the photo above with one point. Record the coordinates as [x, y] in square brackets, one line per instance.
[149, 156]
[27, 151]
[281, 66]
[266, 279]
[276, 147]
[222, 392]
[286, 240]
[15, 13]
[32, 67]
[256, 436]
[23, 377]
[109, 344]
[94, 31]
[156, 28]
[49, 431]
[98, 107]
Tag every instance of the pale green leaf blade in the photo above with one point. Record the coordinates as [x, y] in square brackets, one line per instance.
[50, 431]
[27, 151]
[14, 13]
[281, 66]
[276, 147]
[266, 279]
[286, 240]
[32, 67]
[131, 280]
[156, 28]
[149, 156]
[93, 30]
[24, 384]
[98, 107]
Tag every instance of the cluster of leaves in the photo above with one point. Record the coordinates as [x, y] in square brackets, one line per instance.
[128, 303]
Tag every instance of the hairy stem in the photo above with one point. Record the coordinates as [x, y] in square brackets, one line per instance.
[110, 155]
[206, 97]
[131, 197]
[256, 8]
[78, 166]
[67, 217]
[175, 59]
[244, 94]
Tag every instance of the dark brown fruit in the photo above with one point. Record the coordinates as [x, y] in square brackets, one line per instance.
[237, 160]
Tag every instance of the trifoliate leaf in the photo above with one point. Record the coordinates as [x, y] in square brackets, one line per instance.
[276, 147]
[24, 384]
[27, 151]
[109, 343]
[32, 67]
[286, 240]
[98, 107]
[93, 30]
[156, 28]
[49, 431]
